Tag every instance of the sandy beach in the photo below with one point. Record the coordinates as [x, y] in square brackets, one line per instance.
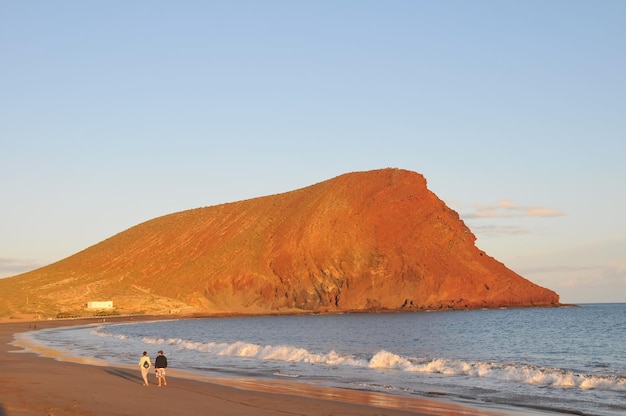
[32, 384]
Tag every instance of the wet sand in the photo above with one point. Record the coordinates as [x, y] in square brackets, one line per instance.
[31, 384]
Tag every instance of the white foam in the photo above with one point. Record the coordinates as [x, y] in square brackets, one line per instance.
[99, 333]
[385, 360]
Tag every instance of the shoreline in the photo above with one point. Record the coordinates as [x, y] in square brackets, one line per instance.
[36, 381]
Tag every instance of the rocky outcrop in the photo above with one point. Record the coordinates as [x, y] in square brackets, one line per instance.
[376, 240]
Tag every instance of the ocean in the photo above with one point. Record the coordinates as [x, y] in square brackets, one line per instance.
[569, 360]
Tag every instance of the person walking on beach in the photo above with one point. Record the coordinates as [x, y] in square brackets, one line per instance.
[160, 363]
[145, 364]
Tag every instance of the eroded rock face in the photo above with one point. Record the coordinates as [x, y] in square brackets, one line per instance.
[376, 240]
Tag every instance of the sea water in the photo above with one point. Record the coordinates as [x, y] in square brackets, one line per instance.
[567, 360]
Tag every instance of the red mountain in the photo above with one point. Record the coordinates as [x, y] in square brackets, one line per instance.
[376, 240]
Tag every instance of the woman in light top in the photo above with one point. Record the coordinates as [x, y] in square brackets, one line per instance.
[145, 364]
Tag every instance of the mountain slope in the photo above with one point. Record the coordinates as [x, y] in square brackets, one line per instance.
[376, 240]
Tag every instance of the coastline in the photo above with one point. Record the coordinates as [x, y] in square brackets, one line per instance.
[36, 382]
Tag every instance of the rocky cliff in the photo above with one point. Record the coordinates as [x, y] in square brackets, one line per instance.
[376, 240]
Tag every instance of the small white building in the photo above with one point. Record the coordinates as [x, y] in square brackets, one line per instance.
[107, 304]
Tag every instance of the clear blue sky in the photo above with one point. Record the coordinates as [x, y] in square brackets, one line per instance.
[115, 112]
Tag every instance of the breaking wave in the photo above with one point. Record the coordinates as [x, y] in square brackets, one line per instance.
[385, 360]
[520, 373]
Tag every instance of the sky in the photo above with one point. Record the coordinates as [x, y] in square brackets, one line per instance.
[113, 113]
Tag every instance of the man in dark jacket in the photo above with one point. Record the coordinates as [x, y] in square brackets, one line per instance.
[161, 364]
